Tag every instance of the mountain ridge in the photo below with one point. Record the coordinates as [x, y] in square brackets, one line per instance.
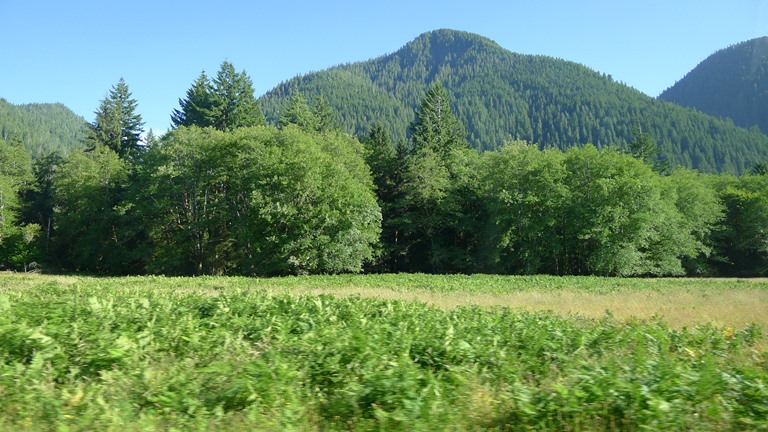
[500, 95]
[42, 127]
[730, 83]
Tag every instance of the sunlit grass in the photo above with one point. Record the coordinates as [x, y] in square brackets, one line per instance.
[382, 352]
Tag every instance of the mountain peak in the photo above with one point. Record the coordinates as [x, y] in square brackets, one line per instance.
[729, 83]
[445, 44]
[499, 95]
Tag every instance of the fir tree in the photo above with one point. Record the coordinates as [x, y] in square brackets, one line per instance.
[436, 128]
[226, 104]
[117, 125]
[196, 108]
[234, 105]
[298, 113]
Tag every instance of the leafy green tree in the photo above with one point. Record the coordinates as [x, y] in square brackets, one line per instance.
[89, 213]
[197, 107]
[258, 201]
[700, 214]
[118, 126]
[610, 213]
[742, 244]
[17, 240]
[525, 192]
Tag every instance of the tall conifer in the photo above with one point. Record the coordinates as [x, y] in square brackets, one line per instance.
[118, 126]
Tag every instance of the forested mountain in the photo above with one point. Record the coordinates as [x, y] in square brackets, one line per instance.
[498, 95]
[41, 128]
[732, 82]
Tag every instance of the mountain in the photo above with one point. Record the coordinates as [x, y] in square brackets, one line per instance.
[732, 82]
[42, 128]
[498, 94]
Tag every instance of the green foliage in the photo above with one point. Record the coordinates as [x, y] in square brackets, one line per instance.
[591, 211]
[42, 128]
[91, 228]
[527, 196]
[196, 108]
[729, 83]
[258, 201]
[118, 126]
[743, 243]
[234, 105]
[226, 104]
[498, 95]
[318, 118]
[435, 127]
[438, 190]
[17, 240]
[759, 168]
[387, 161]
[220, 354]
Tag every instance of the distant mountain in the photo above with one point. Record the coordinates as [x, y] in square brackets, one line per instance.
[732, 82]
[42, 128]
[500, 95]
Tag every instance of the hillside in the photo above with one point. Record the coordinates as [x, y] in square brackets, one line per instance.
[732, 82]
[42, 128]
[500, 95]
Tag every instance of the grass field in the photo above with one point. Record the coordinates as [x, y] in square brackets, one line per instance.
[382, 352]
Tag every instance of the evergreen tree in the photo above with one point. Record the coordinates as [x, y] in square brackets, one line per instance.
[117, 125]
[234, 105]
[435, 127]
[438, 189]
[226, 104]
[325, 118]
[298, 113]
[387, 161]
[196, 108]
[759, 168]
[643, 147]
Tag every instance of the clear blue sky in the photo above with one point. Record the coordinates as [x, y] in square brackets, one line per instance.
[73, 51]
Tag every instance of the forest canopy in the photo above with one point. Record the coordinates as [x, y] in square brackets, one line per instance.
[225, 193]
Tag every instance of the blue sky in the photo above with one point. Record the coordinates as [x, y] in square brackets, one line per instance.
[73, 51]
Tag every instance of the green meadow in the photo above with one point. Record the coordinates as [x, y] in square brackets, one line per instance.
[382, 352]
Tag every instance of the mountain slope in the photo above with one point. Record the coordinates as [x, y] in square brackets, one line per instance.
[42, 128]
[500, 95]
[732, 82]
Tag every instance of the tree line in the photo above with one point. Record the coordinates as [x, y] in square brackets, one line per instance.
[226, 193]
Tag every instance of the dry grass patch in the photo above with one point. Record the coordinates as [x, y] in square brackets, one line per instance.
[679, 308]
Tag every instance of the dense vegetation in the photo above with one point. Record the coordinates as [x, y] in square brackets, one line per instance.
[41, 128]
[731, 83]
[221, 354]
[226, 194]
[498, 95]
